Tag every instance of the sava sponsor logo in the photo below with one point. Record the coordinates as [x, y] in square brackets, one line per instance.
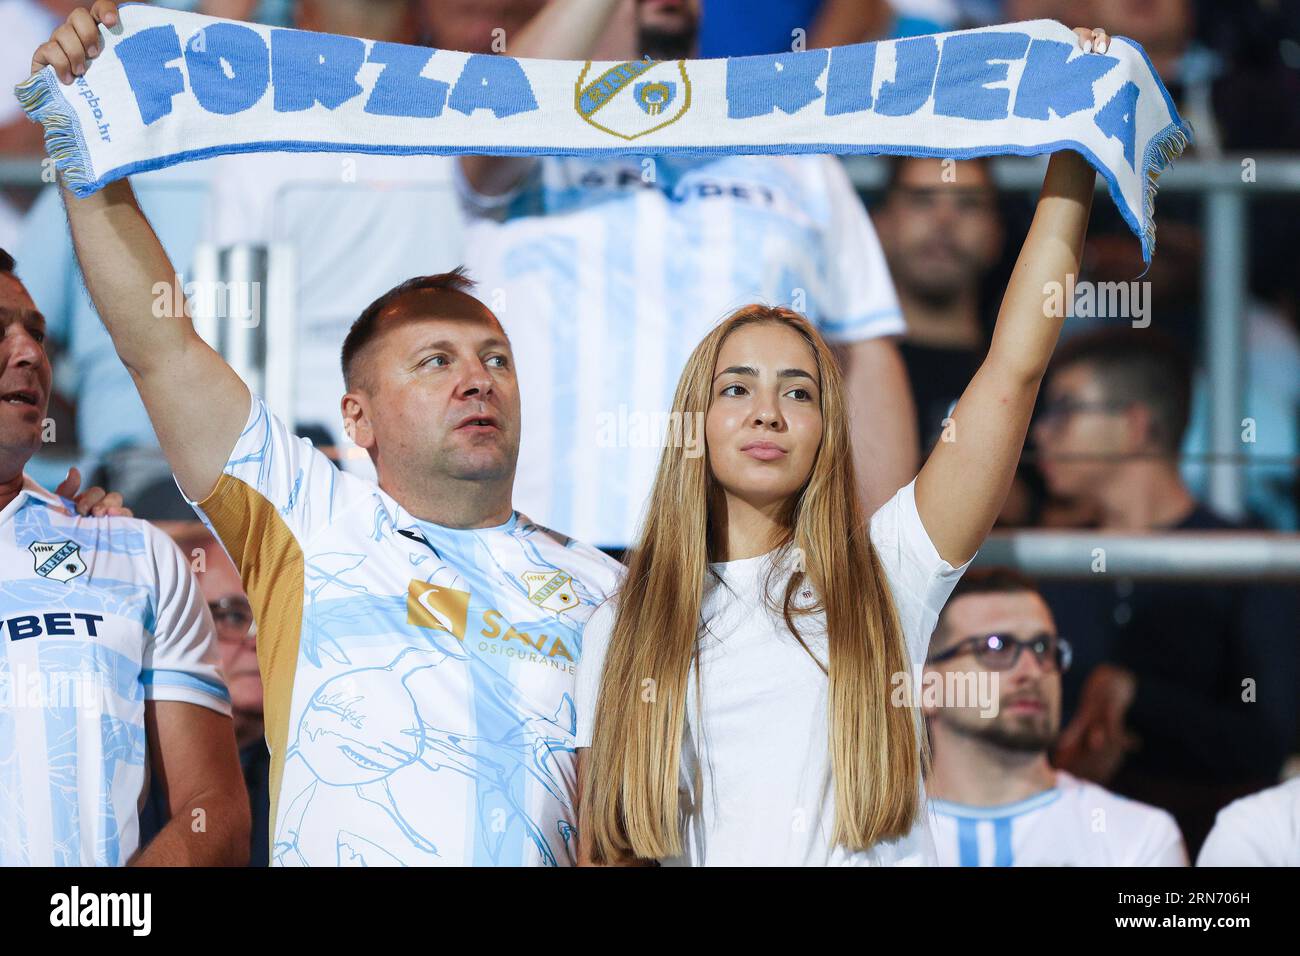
[447, 609]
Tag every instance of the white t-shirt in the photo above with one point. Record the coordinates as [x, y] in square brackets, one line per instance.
[761, 737]
[607, 273]
[1262, 829]
[359, 224]
[97, 616]
[1075, 823]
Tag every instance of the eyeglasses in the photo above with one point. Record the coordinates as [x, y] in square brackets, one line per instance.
[234, 619]
[1059, 409]
[999, 652]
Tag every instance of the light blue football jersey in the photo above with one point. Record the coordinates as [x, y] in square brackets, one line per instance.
[418, 679]
[97, 616]
[607, 273]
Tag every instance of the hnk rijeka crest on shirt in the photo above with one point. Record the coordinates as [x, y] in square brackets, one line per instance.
[57, 560]
[552, 590]
[633, 98]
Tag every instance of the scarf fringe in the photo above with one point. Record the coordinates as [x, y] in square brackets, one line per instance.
[46, 105]
[1161, 152]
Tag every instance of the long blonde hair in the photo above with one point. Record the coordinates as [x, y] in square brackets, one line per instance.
[629, 800]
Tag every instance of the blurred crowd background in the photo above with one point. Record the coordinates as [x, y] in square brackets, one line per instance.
[1122, 440]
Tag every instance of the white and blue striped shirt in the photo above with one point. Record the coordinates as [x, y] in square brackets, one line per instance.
[1075, 823]
[97, 616]
[607, 273]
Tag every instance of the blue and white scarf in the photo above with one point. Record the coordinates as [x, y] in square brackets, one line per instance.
[171, 87]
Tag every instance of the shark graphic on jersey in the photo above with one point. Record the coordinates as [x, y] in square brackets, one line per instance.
[419, 679]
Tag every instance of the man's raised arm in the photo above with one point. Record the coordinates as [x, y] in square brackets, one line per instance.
[197, 403]
[562, 30]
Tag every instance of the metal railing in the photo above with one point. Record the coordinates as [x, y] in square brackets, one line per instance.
[1218, 556]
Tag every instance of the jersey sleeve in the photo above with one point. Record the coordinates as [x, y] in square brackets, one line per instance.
[860, 301]
[919, 579]
[595, 642]
[181, 661]
[272, 470]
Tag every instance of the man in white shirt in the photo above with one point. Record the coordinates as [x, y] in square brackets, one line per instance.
[991, 691]
[108, 663]
[1260, 830]
[418, 637]
[607, 273]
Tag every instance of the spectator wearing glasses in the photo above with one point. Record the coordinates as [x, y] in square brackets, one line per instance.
[237, 641]
[1184, 695]
[992, 696]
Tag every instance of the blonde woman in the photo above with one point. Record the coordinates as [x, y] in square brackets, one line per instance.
[734, 699]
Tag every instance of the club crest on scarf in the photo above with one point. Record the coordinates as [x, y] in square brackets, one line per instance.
[631, 99]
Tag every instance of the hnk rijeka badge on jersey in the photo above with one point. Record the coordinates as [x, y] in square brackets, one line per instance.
[552, 590]
[57, 560]
[632, 99]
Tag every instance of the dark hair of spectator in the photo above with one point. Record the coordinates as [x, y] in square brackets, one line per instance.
[6, 262]
[1140, 366]
[987, 581]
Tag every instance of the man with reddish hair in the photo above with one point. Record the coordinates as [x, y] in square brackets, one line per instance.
[418, 637]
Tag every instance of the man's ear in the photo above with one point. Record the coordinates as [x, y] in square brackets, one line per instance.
[356, 420]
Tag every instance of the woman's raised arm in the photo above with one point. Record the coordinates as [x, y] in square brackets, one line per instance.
[963, 484]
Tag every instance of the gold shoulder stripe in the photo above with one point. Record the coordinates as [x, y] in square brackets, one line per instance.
[270, 564]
